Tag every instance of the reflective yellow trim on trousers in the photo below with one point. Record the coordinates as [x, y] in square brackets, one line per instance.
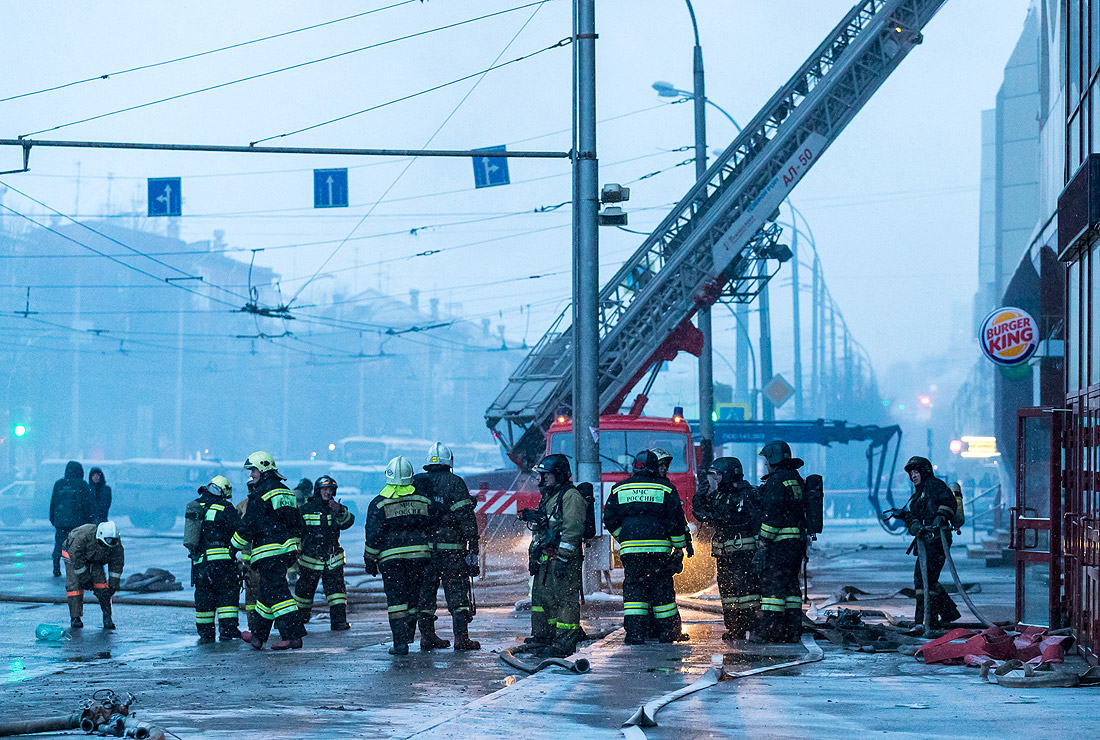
[664, 611]
[409, 552]
[537, 609]
[566, 626]
[637, 547]
[334, 599]
[778, 534]
[204, 617]
[227, 612]
[275, 548]
[679, 540]
[769, 604]
[635, 608]
[448, 546]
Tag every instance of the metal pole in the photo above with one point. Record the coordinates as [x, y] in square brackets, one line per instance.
[586, 414]
[706, 356]
[765, 346]
[798, 410]
[815, 331]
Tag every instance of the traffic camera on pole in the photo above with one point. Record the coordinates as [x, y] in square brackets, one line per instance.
[613, 192]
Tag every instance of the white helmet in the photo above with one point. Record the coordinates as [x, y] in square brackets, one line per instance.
[399, 472]
[107, 533]
[440, 454]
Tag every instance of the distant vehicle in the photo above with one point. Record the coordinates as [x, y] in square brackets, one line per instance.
[380, 450]
[17, 503]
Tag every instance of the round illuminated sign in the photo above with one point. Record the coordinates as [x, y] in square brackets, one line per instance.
[1009, 336]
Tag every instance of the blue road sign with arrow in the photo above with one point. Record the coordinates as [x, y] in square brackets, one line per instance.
[491, 171]
[165, 196]
[330, 188]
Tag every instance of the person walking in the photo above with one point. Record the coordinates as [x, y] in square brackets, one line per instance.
[100, 499]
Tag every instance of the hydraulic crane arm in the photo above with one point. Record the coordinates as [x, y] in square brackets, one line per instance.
[721, 238]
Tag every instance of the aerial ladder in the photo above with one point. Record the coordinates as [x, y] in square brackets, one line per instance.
[721, 241]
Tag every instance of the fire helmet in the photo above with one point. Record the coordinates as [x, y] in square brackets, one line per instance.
[219, 485]
[776, 452]
[646, 462]
[399, 472]
[921, 464]
[663, 456]
[556, 464]
[107, 533]
[261, 461]
[440, 454]
[324, 482]
[729, 468]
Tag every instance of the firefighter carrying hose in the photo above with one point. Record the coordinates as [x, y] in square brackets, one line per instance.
[932, 507]
[322, 559]
[780, 546]
[273, 527]
[86, 551]
[209, 524]
[454, 536]
[645, 515]
[398, 545]
[729, 503]
[554, 559]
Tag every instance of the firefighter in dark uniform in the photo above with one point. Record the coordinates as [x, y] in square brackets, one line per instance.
[780, 545]
[398, 545]
[322, 559]
[555, 557]
[729, 504]
[931, 508]
[86, 551]
[645, 515]
[454, 550]
[213, 571]
[273, 526]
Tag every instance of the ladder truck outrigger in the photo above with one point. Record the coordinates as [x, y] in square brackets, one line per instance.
[721, 242]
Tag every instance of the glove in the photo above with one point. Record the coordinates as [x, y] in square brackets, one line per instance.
[913, 526]
[473, 565]
[677, 561]
[371, 566]
[561, 568]
[690, 550]
[939, 521]
[759, 558]
[111, 591]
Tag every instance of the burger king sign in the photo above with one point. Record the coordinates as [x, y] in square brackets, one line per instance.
[1009, 336]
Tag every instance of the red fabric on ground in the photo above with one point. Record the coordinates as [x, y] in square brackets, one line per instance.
[969, 647]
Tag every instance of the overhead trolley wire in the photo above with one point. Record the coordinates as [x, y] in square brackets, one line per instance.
[284, 69]
[538, 7]
[208, 52]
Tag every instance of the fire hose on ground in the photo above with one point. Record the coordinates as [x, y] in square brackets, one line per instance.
[922, 555]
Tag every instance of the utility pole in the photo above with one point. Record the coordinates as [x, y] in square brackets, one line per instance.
[706, 356]
[765, 354]
[798, 408]
[586, 400]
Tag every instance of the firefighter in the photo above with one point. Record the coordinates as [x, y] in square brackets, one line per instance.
[729, 504]
[454, 538]
[86, 550]
[930, 508]
[555, 557]
[322, 558]
[398, 545]
[273, 526]
[209, 524]
[249, 576]
[645, 515]
[780, 546]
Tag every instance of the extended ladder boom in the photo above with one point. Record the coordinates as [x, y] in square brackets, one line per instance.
[721, 238]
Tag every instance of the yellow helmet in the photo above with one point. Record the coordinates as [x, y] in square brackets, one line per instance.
[261, 461]
[220, 485]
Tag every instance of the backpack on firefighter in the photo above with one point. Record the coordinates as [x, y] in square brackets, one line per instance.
[813, 498]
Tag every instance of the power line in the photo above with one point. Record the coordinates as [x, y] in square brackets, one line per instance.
[282, 69]
[187, 57]
[538, 7]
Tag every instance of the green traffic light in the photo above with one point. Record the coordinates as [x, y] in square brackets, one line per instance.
[20, 430]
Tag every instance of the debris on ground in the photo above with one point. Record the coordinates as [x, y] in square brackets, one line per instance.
[1031, 645]
[848, 630]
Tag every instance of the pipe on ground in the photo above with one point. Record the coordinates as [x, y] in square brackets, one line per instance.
[59, 723]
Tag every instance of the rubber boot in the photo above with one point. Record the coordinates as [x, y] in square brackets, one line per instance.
[462, 635]
[228, 630]
[429, 640]
[792, 626]
[402, 633]
[105, 606]
[338, 618]
[673, 631]
[76, 611]
[294, 644]
[637, 627]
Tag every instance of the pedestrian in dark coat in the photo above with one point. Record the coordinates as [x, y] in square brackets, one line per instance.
[69, 508]
[100, 500]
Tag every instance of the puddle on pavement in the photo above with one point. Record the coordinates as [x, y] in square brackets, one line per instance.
[102, 655]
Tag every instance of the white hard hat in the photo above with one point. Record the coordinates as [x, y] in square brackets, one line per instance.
[440, 454]
[399, 472]
[107, 533]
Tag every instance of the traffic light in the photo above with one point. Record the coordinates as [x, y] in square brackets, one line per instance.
[19, 430]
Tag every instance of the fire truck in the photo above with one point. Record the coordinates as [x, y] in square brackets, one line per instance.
[721, 242]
